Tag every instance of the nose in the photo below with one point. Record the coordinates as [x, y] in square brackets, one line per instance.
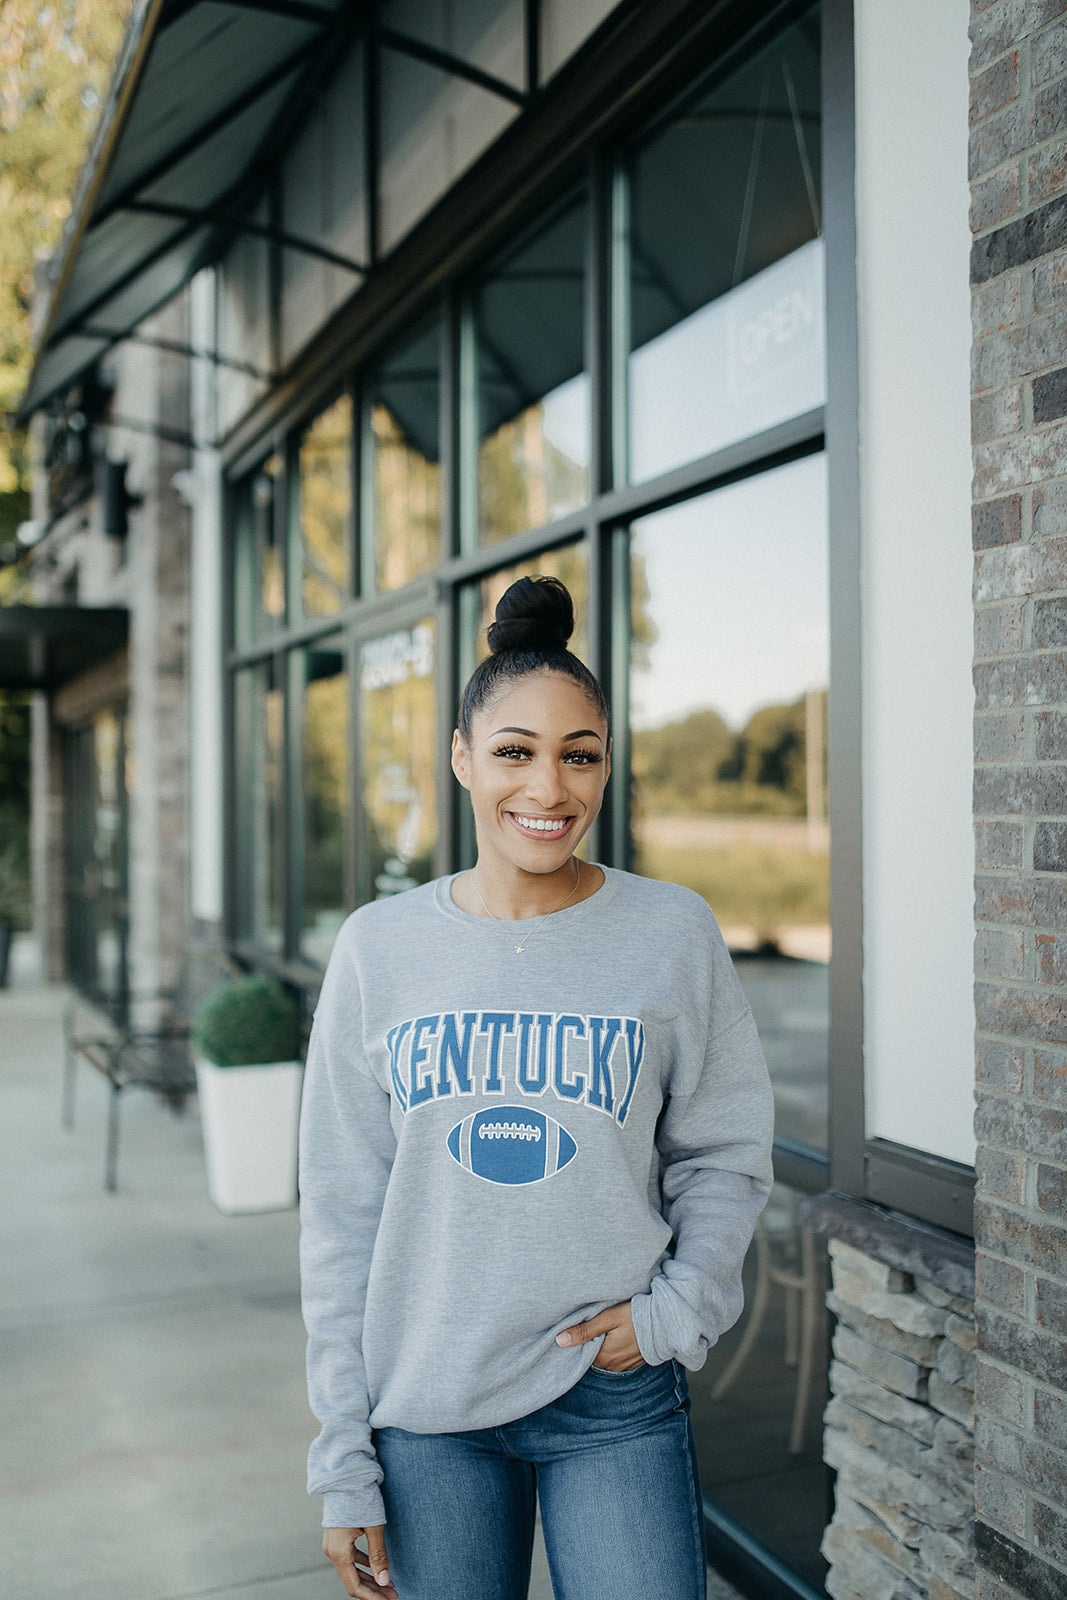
[545, 786]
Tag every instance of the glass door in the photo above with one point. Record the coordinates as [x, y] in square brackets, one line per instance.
[97, 859]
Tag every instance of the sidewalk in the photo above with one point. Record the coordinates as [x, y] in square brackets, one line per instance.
[153, 1422]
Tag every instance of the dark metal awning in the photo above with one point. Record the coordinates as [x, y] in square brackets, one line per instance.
[43, 647]
[201, 88]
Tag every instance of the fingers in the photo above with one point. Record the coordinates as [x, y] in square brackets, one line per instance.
[379, 1561]
[620, 1351]
[350, 1562]
[582, 1332]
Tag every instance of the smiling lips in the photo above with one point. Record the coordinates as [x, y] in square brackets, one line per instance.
[541, 827]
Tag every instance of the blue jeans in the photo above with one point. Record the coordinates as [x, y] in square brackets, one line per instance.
[614, 1466]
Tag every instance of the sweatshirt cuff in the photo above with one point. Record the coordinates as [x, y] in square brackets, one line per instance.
[641, 1316]
[342, 1508]
[665, 1328]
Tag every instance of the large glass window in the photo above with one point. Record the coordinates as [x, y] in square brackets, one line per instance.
[726, 285]
[325, 490]
[398, 759]
[533, 455]
[671, 290]
[260, 586]
[728, 700]
[405, 399]
[260, 729]
[326, 799]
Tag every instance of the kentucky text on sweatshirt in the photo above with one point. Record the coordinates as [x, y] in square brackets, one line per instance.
[496, 1146]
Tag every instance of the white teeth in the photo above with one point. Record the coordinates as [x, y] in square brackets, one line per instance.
[541, 825]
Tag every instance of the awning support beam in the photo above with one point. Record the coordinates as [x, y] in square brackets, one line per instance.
[116, 336]
[456, 66]
[236, 224]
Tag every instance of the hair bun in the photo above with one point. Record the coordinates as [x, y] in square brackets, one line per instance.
[534, 614]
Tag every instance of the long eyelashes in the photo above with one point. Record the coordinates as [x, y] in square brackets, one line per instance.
[574, 758]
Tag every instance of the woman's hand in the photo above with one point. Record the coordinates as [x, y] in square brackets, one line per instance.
[339, 1544]
[619, 1352]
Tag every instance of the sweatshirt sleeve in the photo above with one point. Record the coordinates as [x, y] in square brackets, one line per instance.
[346, 1154]
[714, 1143]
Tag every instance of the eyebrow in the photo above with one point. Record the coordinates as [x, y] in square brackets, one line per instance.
[528, 733]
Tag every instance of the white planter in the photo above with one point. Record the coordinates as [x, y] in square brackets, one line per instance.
[250, 1117]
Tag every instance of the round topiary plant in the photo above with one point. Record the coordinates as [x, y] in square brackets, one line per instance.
[246, 1021]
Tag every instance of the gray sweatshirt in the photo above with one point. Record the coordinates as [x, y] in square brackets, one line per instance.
[496, 1146]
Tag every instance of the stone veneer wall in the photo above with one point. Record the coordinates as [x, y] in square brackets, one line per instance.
[900, 1434]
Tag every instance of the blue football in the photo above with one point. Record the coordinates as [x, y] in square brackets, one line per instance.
[511, 1144]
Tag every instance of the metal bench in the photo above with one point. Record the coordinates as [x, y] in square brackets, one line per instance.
[157, 1058]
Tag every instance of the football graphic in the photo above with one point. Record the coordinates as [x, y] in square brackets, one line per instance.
[511, 1144]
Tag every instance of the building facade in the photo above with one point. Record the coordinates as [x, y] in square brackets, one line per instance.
[672, 301]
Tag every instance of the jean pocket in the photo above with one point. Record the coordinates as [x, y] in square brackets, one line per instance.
[631, 1372]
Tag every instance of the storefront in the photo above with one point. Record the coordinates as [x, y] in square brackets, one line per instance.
[490, 288]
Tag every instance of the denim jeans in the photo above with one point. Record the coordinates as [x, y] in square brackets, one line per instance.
[614, 1466]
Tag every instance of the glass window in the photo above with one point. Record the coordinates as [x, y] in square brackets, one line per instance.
[758, 1403]
[487, 33]
[398, 759]
[405, 398]
[325, 792]
[96, 762]
[728, 680]
[260, 730]
[433, 125]
[726, 273]
[533, 390]
[325, 490]
[570, 565]
[259, 592]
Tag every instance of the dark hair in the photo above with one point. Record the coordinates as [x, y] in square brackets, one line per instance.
[534, 620]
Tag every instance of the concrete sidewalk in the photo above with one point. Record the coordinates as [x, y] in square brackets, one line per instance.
[153, 1421]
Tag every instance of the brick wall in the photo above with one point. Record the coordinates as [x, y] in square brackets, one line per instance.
[1019, 419]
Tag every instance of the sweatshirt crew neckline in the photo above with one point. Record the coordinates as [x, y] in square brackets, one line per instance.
[553, 921]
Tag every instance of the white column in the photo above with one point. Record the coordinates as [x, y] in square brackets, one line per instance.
[914, 350]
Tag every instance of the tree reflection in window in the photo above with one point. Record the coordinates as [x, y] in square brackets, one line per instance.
[325, 796]
[398, 751]
[326, 509]
[533, 458]
[404, 412]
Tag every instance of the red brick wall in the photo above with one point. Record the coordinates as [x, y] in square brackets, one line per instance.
[1019, 429]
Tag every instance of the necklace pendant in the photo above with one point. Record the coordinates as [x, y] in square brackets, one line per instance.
[518, 949]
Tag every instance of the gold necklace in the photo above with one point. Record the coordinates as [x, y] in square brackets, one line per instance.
[519, 948]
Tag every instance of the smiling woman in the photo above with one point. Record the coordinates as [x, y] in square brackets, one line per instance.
[496, 1056]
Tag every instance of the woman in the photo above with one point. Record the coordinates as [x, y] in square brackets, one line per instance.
[535, 1142]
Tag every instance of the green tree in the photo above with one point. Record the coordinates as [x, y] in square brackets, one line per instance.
[677, 765]
[55, 63]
